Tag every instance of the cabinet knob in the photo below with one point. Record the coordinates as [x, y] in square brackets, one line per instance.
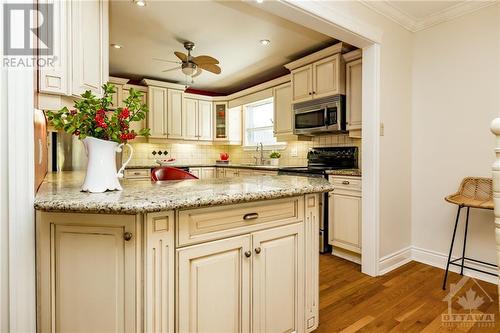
[127, 236]
[345, 182]
[250, 216]
[310, 93]
[258, 250]
[314, 92]
[248, 254]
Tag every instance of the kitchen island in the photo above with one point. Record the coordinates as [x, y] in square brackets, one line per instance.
[215, 255]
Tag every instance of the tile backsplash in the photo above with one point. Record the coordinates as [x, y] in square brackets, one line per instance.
[295, 153]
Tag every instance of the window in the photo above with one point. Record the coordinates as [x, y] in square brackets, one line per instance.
[259, 119]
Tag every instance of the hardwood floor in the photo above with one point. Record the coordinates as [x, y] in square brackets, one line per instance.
[408, 299]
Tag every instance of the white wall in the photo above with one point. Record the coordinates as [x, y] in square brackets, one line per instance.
[456, 89]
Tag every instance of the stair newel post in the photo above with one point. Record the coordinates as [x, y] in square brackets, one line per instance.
[495, 128]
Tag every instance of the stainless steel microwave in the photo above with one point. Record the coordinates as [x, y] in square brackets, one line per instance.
[320, 116]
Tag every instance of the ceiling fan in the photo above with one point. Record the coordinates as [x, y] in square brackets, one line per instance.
[193, 66]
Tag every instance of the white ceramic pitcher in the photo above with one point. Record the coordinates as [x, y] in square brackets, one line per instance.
[101, 173]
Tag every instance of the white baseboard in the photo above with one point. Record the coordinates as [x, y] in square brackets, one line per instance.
[347, 255]
[432, 258]
[437, 259]
[394, 260]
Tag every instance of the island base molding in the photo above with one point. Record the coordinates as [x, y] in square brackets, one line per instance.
[249, 267]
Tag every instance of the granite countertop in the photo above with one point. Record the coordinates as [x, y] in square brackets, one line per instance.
[208, 165]
[345, 172]
[60, 192]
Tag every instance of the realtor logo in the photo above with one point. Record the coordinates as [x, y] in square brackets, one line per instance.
[466, 305]
[28, 28]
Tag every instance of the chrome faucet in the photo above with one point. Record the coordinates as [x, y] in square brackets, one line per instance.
[260, 160]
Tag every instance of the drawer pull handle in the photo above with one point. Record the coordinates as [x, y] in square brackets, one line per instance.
[250, 216]
[346, 182]
[248, 254]
[258, 250]
[127, 236]
[137, 173]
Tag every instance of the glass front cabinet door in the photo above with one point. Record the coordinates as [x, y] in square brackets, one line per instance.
[221, 126]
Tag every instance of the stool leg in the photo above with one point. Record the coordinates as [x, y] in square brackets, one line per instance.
[465, 241]
[451, 248]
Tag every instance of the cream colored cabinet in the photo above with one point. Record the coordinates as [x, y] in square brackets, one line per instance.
[354, 75]
[140, 174]
[221, 121]
[80, 55]
[208, 173]
[322, 78]
[157, 102]
[190, 119]
[136, 126]
[214, 286]
[230, 173]
[245, 172]
[196, 172]
[159, 272]
[87, 273]
[278, 277]
[235, 125]
[205, 121]
[345, 213]
[174, 113]
[311, 260]
[302, 84]
[283, 114]
[89, 46]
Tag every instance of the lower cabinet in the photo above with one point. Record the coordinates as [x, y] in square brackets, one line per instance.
[216, 286]
[208, 173]
[87, 273]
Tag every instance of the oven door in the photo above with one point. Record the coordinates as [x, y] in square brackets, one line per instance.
[310, 121]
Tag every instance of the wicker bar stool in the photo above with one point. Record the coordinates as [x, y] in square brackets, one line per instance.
[474, 192]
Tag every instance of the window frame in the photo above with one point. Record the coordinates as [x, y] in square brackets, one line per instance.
[252, 146]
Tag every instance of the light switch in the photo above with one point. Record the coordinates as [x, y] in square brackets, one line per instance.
[293, 152]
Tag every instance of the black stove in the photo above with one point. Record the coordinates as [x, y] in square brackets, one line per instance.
[319, 161]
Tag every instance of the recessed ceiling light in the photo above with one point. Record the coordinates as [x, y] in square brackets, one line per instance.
[116, 46]
[259, 1]
[140, 3]
[265, 41]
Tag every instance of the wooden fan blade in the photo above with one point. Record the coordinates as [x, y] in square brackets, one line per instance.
[181, 56]
[165, 60]
[171, 69]
[211, 68]
[198, 72]
[204, 59]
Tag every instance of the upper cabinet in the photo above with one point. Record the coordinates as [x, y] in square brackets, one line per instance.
[174, 113]
[81, 54]
[221, 121]
[197, 119]
[283, 114]
[354, 76]
[157, 115]
[318, 75]
[205, 120]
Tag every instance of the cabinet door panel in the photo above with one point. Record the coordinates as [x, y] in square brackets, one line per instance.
[345, 222]
[283, 116]
[89, 45]
[174, 111]
[214, 287]
[136, 126]
[302, 84]
[354, 75]
[208, 173]
[205, 121]
[157, 110]
[87, 274]
[278, 281]
[328, 77]
[190, 119]
[196, 172]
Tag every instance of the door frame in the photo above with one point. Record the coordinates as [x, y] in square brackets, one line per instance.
[320, 17]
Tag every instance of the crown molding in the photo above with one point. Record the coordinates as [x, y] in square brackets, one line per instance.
[385, 8]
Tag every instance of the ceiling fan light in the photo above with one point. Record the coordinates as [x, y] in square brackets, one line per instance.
[265, 41]
[140, 3]
[188, 70]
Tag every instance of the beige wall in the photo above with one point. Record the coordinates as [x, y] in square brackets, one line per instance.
[456, 89]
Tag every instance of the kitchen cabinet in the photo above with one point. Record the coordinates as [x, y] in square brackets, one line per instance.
[196, 172]
[221, 121]
[80, 55]
[354, 74]
[89, 46]
[122, 90]
[139, 174]
[302, 84]
[277, 282]
[214, 286]
[235, 125]
[208, 173]
[157, 103]
[205, 121]
[283, 113]
[190, 119]
[87, 269]
[174, 113]
[345, 213]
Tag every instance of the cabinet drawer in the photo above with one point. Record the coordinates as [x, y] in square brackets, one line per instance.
[137, 173]
[346, 183]
[201, 225]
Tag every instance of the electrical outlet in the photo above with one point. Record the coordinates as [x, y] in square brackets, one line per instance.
[294, 152]
[381, 129]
